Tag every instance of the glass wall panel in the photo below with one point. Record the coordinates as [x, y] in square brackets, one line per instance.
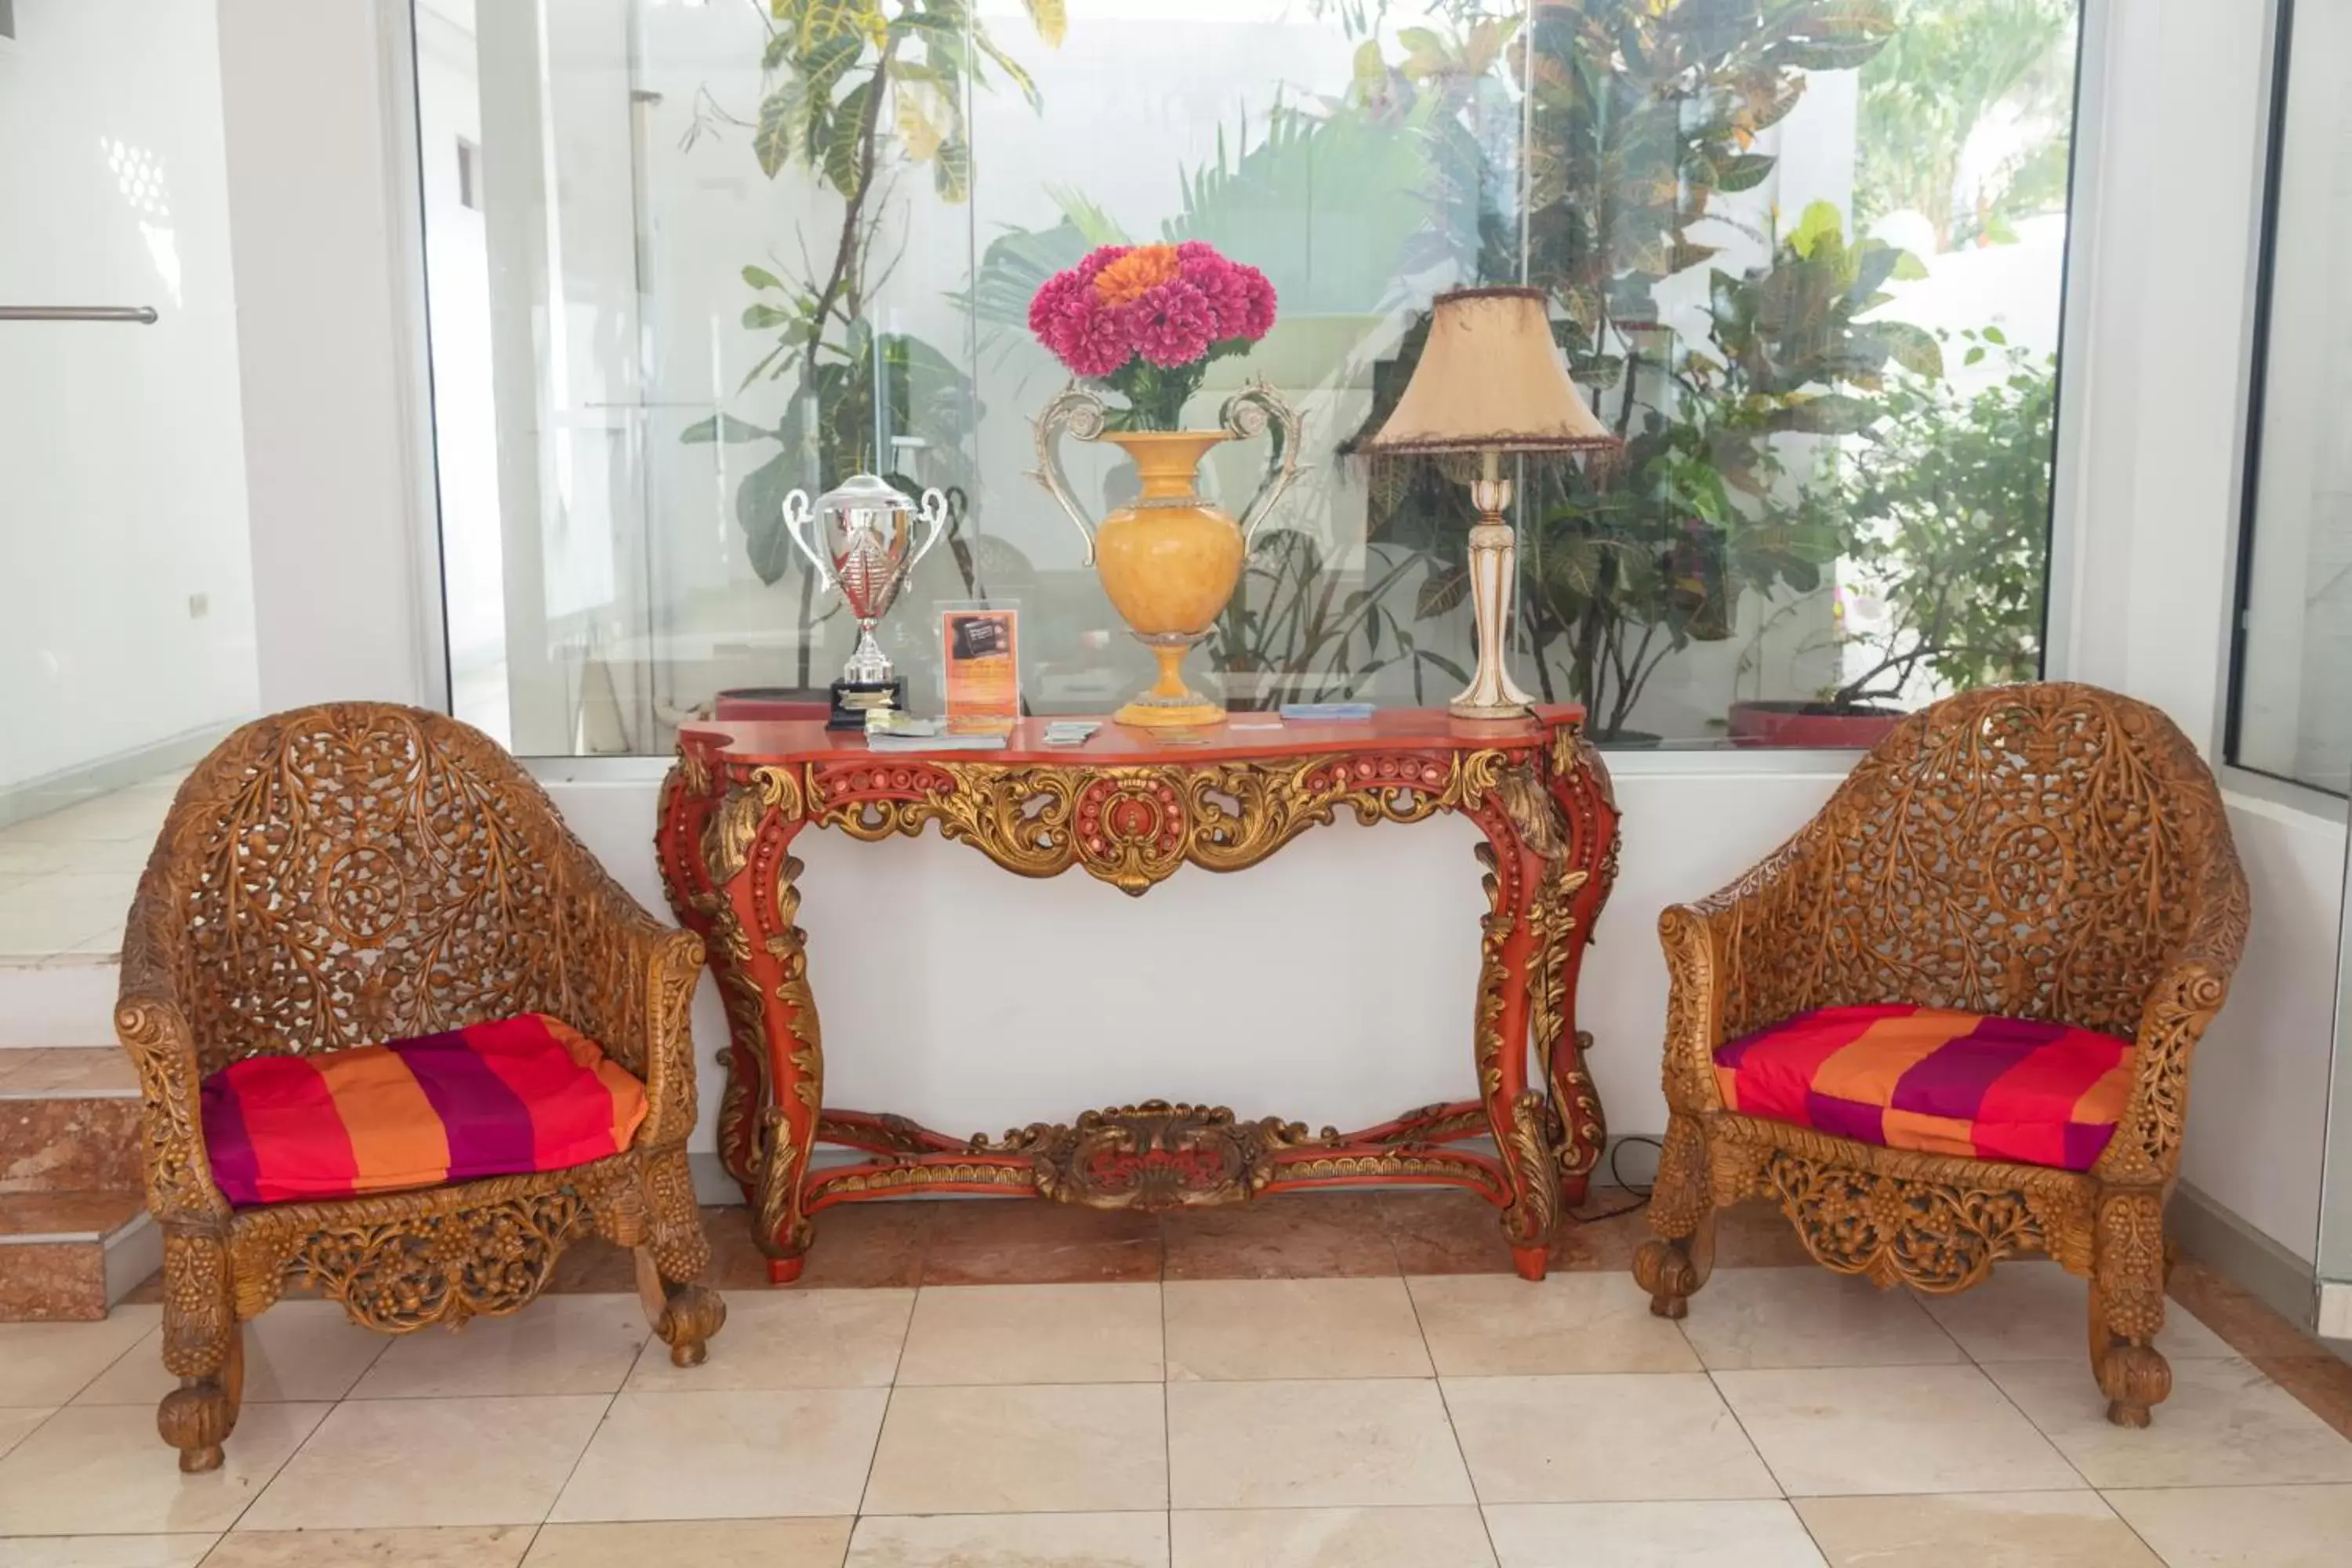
[126, 583]
[1805, 258]
[2288, 714]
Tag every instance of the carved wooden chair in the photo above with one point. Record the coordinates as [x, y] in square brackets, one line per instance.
[2052, 856]
[343, 876]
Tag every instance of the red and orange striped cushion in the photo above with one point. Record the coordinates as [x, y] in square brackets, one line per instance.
[491, 1100]
[1939, 1082]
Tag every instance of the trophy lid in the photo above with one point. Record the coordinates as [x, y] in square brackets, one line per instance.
[863, 492]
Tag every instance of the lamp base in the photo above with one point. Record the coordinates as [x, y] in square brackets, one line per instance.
[1494, 568]
[1463, 707]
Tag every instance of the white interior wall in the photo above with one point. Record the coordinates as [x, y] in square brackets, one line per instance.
[126, 598]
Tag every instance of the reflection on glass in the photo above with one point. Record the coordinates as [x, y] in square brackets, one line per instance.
[1804, 260]
[2288, 716]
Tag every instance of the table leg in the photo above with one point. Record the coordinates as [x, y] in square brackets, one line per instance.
[1586, 807]
[1521, 855]
[765, 897]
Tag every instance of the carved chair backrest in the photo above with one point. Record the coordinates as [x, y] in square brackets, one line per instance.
[2032, 850]
[357, 873]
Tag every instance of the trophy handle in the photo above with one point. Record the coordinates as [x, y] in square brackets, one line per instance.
[797, 518]
[935, 513]
[1081, 412]
[1251, 412]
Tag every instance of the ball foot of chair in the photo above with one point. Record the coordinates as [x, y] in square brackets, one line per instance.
[683, 1315]
[2135, 1379]
[1664, 1267]
[197, 1416]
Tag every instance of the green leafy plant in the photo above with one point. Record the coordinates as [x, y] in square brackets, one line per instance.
[1296, 632]
[1950, 67]
[1949, 499]
[853, 91]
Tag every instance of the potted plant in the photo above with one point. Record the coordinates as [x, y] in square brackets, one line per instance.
[1949, 503]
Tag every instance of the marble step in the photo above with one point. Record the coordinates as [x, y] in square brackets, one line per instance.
[69, 1121]
[70, 1255]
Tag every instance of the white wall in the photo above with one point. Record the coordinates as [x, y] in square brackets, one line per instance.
[2166, 226]
[122, 491]
[318, 201]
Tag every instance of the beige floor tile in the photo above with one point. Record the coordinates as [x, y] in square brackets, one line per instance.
[1758, 1534]
[2040, 1313]
[558, 1344]
[101, 1469]
[2225, 1424]
[1330, 1537]
[1223, 1330]
[392, 1464]
[469, 1546]
[1606, 1437]
[965, 1334]
[1061, 1448]
[105, 1551]
[1498, 1325]
[694, 1543]
[2242, 1527]
[296, 1350]
[1877, 1429]
[789, 1339]
[769, 1454]
[1974, 1530]
[1810, 1316]
[49, 1363]
[1012, 1540]
[15, 1425]
[1317, 1444]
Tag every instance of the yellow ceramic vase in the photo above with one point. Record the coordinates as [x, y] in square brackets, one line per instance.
[1170, 561]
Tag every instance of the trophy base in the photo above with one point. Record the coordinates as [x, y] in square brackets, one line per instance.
[853, 699]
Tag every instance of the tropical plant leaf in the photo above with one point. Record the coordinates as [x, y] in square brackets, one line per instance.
[759, 510]
[1439, 592]
[777, 135]
[1051, 20]
[921, 134]
[1912, 347]
[952, 170]
[760, 277]
[1830, 413]
[843, 170]
[724, 427]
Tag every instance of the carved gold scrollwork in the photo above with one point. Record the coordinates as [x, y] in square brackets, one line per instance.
[1151, 1156]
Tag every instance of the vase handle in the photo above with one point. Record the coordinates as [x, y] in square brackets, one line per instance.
[1081, 414]
[1252, 411]
[798, 515]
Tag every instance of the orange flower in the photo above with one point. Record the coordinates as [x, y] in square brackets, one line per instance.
[1138, 272]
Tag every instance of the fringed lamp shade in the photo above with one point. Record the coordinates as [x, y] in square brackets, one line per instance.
[1490, 380]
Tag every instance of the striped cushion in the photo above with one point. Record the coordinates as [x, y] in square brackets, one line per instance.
[489, 1099]
[1939, 1082]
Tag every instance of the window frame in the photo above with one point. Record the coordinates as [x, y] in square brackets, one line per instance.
[2069, 444]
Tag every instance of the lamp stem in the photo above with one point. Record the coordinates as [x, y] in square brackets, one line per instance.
[1494, 577]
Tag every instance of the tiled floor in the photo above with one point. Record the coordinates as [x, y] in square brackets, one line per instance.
[1184, 1401]
[66, 878]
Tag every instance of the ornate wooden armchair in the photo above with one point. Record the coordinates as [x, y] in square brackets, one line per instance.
[351, 874]
[2050, 853]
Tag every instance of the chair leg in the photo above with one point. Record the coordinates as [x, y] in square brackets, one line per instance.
[203, 1345]
[2128, 1267]
[684, 1313]
[1672, 1264]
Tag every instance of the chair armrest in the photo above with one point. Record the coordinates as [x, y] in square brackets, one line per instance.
[2146, 1148]
[1735, 959]
[153, 1026]
[630, 979]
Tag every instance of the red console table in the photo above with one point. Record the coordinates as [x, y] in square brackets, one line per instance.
[1130, 808]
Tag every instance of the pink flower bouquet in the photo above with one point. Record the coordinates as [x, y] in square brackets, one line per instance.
[1144, 321]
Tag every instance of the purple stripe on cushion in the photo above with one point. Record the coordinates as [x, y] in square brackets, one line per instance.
[487, 1125]
[1951, 1080]
[1845, 1117]
[236, 1169]
[2085, 1144]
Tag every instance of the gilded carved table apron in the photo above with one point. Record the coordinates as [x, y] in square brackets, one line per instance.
[1131, 808]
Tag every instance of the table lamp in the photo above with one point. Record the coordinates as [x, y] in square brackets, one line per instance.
[1490, 381]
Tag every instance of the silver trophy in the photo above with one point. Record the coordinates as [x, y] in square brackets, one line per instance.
[868, 533]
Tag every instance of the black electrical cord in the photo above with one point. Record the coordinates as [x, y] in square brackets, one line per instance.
[1640, 1195]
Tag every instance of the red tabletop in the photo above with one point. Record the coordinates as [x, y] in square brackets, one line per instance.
[765, 740]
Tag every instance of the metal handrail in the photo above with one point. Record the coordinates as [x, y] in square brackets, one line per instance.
[143, 315]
